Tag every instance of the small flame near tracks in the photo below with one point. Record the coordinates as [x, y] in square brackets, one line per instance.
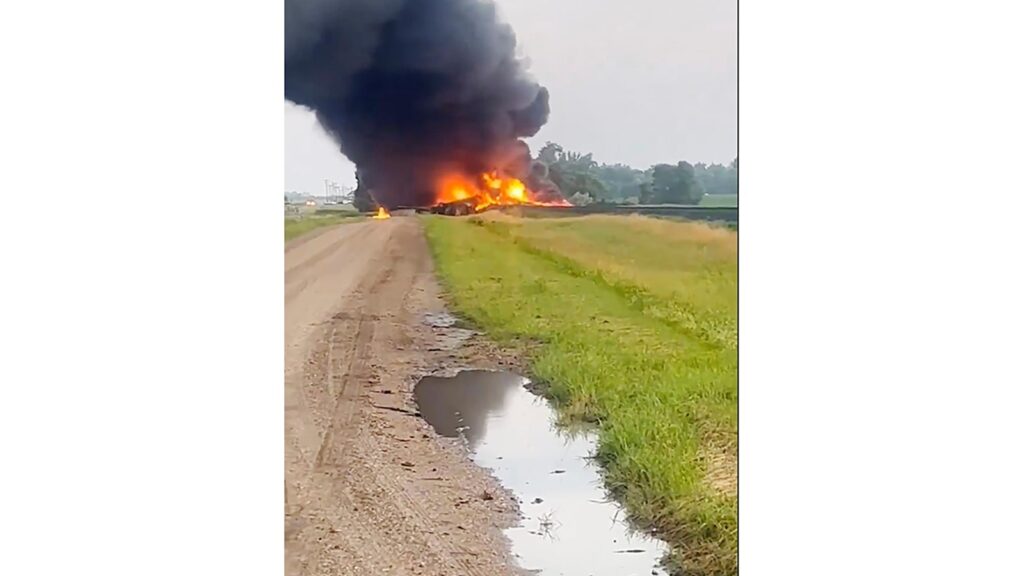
[381, 214]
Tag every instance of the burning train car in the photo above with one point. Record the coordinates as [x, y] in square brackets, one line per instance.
[461, 196]
[457, 208]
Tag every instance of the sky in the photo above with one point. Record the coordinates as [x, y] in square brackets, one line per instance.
[639, 82]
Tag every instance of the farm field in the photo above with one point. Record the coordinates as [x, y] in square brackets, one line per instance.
[719, 201]
[297, 226]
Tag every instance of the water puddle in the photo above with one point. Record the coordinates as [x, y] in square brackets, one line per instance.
[569, 527]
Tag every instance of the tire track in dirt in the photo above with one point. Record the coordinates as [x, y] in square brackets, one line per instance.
[368, 488]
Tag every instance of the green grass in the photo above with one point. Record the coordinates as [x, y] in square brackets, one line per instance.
[719, 200]
[629, 322]
[295, 227]
[336, 208]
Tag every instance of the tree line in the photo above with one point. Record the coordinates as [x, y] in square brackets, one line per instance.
[583, 181]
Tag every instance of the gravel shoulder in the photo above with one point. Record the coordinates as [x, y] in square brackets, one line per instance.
[369, 487]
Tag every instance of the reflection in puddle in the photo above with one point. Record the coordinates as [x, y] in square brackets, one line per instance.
[569, 528]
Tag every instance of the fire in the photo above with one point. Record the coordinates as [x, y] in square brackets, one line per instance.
[381, 214]
[488, 189]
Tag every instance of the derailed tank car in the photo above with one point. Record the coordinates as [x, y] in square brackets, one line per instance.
[457, 208]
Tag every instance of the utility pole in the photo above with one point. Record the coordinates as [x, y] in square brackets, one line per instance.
[330, 187]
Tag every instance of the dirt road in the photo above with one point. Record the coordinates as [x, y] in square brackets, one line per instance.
[369, 488]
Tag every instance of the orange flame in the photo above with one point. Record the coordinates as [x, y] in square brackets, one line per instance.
[489, 189]
[381, 214]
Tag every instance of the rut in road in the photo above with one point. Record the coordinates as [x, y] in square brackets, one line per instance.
[370, 489]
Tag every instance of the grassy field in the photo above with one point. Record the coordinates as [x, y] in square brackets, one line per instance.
[295, 227]
[719, 200]
[631, 323]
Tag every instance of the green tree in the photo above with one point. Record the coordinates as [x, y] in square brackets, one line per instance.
[573, 172]
[578, 162]
[675, 184]
[550, 153]
[716, 178]
[622, 181]
[681, 183]
[571, 182]
[735, 176]
[646, 193]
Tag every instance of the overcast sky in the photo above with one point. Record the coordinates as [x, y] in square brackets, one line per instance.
[637, 82]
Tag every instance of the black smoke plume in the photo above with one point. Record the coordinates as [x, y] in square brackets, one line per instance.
[411, 89]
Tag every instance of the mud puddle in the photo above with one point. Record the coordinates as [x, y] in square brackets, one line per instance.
[569, 526]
